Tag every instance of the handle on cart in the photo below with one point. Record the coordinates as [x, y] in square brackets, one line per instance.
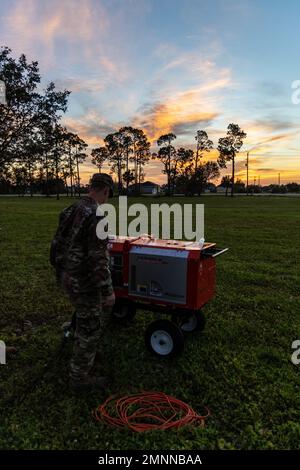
[213, 252]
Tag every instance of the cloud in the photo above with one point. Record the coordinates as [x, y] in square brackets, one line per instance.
[258, 143]
[183, 109]
[62, 34]
[275, 138]
[175, 115]
[190, 127]
[91, 127]
[272, 124]
[43, 23]
[266, 170]
[87, 85]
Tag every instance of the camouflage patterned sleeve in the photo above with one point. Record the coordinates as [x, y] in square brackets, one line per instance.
[98, 258]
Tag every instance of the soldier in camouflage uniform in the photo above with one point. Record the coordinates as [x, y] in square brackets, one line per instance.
[85, 277]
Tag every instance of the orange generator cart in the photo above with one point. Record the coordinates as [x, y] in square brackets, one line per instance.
[170, 277]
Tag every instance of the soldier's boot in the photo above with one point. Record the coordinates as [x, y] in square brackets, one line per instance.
[88, 383]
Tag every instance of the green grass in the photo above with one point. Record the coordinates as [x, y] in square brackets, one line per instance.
[239, 366]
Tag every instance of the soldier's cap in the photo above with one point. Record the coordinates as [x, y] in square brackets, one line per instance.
[103, 178]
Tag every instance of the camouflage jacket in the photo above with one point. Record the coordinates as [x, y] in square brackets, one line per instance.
[86, 264]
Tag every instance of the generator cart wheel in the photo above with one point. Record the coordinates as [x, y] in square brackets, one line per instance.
[124, 311]
[194, 321]
[164, 338]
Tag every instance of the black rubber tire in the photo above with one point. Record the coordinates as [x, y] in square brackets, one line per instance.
[124, 311]
[196, 318]
[164, 339]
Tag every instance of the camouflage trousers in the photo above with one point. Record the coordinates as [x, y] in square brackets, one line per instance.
[92, 319]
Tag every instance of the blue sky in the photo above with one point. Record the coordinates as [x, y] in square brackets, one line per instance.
[168, 65]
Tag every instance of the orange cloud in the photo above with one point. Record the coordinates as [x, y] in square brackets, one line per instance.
[182, 109]
[175, 106]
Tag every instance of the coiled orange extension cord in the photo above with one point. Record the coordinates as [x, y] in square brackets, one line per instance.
[148, 411]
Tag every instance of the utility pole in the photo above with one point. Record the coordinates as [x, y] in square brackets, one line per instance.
[278, 179]
[247, 165]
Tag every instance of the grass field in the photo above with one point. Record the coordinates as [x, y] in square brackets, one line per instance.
[239, 367]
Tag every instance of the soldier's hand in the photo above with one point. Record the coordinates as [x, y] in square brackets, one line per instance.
[110, 300]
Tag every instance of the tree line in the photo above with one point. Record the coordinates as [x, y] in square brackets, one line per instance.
[127, 151]
[38, 153]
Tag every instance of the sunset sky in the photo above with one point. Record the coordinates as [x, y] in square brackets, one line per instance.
[171, 66]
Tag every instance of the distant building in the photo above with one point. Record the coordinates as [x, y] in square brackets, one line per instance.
[144, 188]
